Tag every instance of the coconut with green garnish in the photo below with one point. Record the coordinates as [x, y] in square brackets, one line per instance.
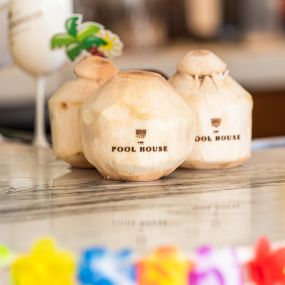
[64, 107]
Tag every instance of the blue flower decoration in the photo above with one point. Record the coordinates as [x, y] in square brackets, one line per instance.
[100, 266]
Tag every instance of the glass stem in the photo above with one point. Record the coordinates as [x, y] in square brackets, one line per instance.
[40, 139]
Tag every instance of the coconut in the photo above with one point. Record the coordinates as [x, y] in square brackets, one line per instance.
[136, 127]
[64, 107]
[223, 109]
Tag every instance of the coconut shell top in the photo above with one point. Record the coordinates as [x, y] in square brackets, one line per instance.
[143, 87]
[95, 68]
[200, 63]
[73, 92]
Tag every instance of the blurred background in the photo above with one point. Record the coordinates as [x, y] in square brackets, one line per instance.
[248, 34]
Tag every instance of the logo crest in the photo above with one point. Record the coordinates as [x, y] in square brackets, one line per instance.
[216, 122]
[140, 134]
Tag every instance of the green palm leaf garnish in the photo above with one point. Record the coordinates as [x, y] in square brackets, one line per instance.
[91, 37]
[89, 30]
[61, 40]
[74, 50]
[71, 25]
[93, 41]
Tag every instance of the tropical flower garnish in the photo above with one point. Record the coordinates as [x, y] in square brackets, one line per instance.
[44, 265]
[88, 37]
[113, 46]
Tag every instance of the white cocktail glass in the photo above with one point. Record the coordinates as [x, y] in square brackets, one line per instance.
[32, 23]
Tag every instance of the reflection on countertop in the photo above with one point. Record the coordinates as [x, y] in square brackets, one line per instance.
[42, 196]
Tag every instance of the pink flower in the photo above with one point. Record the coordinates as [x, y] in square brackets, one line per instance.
[216, 267]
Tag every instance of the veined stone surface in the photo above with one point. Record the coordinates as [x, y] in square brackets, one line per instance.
[42, 196]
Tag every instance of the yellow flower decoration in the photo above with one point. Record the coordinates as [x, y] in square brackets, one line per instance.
[44, 265]
[114, 45]
[164, 267]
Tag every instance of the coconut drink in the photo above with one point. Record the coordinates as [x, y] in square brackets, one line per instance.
[64, 106]
[136, 127]
[223, 109]
[92, 42]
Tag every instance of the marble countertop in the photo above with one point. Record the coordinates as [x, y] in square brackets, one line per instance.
[42, 196]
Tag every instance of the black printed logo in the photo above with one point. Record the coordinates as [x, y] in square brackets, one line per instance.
[216, 122]
[140, 134]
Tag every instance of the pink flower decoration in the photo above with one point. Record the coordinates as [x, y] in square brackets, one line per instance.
[216, 267]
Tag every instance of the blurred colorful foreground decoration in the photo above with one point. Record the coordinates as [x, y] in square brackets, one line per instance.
[216, 267]
[46, 264]
[89, 37]
[102, 266]
[165, 266]
[6, 259]
[268, 266]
